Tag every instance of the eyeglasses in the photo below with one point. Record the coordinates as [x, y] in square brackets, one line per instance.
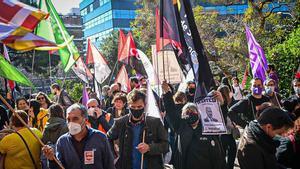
[41, 98]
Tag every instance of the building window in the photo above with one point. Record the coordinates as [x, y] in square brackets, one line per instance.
[91, 7]
[98, 20]
[83, 11]
[124, 14]
[100, 36]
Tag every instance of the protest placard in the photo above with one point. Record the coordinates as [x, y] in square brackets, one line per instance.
[211, 116]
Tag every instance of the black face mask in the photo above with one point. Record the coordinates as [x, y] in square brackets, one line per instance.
[192, 119]
[297, 112]
[114, 92]
[136, 113]
[191, 90]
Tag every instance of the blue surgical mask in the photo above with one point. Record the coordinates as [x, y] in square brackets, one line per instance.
[257, 90]
[270, 90]
[297, 90]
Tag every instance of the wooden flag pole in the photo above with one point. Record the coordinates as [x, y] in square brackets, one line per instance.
[142, 159]
[24, 123]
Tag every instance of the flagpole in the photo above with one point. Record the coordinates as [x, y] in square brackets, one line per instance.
[112, 73]
[32, 68]
[50, 74]
[142, 158]
[162, 34]
[26, 125]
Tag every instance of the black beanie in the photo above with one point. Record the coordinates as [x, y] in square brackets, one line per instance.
[277, 117]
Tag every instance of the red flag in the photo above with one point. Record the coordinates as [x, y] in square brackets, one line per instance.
[159, 35]
[128, 50]
[122, 41]
[123, 79]
[20, 15]
[89, 55]
[244, 81]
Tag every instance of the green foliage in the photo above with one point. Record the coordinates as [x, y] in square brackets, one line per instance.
[40, 59]
[109, 50]
[143, 29]
[286, 57]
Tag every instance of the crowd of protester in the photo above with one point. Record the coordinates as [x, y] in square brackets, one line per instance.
[113, 131]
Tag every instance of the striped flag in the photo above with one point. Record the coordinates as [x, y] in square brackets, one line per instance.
[19, 39]
[258, 60]
[20, 15]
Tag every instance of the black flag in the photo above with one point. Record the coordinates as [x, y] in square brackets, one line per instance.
[192, 41]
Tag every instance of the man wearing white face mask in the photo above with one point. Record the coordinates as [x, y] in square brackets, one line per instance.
[82, 147]
[270, 92]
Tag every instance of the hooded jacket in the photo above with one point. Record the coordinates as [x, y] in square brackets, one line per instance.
[288, 153]
[54, 128]
[256, 149]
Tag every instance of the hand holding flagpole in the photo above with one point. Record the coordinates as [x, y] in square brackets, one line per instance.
[24, 123]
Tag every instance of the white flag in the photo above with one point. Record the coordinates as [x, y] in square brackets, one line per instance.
[101, 68]
[151, 104]
[123, 79]
[152, 75]
[183, 85]
[82, 71]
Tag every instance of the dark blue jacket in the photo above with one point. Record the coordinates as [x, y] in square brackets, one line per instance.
[96, 141]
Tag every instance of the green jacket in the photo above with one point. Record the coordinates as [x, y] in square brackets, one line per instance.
[55, 127]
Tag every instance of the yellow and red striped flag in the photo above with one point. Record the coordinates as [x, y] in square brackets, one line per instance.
[20, 39]
[20, 15]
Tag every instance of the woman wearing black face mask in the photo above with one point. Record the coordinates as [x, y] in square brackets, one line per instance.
[193, 150]
[190, 93]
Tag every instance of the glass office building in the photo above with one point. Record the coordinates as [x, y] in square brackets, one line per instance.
[100, 17]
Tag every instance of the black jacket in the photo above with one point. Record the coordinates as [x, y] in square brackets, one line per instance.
[63, 99]
[211, 155]
[112, 111]
[288, 153]
[256, 149]
[155, 137]
[244, 111]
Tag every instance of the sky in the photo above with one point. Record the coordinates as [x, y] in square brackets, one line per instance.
[64, 6]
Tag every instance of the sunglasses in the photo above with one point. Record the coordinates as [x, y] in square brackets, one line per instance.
[41, 98]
